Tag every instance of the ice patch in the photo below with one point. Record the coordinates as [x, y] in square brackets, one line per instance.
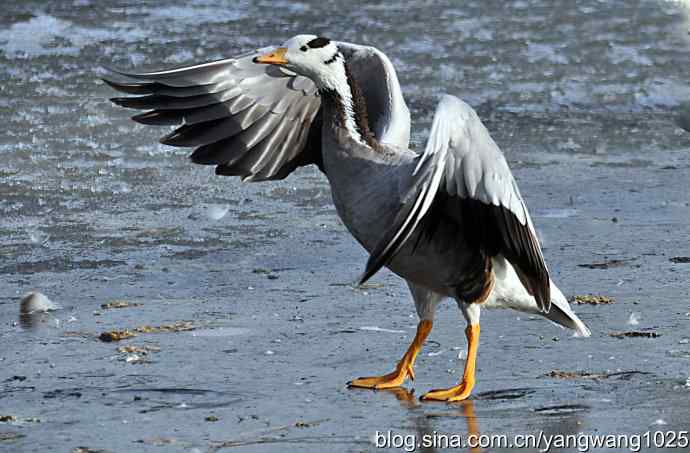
[26, 39]
[38, 237]
[570, 145]
[180, 57]
[293, 7]
[557, 213]
[380, 329]
[195, 15]
[662, 92]
[634, 319]
[211, 211]
[626, 54]
[221, 332]
[47, 35]
[541, 52]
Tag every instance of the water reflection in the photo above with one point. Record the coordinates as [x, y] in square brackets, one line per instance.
[424, 428]
[425, 418]
[34, 320]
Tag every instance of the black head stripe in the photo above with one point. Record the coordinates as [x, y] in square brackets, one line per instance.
[318, 42]
[333, 59]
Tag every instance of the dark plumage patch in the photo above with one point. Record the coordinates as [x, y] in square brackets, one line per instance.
[359, 106]
[319, 42]
[498, 231]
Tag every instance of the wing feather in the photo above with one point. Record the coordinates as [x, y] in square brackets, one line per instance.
[235, 113]
[463, 168]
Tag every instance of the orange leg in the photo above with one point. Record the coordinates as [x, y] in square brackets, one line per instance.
[463, 390]
[404, 367]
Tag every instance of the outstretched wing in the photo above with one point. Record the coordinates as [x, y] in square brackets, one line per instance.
[463, 169]
[257, 121]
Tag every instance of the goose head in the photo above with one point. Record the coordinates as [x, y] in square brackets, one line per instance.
[314, 57]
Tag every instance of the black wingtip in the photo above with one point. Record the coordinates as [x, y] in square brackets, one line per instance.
[131, 87]
[202, 162]
[170, 139]
[542, 295]
[122, 102]
[158, 118]
[374, 264]
[546, 301]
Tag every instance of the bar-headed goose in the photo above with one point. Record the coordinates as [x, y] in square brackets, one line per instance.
[450, 221]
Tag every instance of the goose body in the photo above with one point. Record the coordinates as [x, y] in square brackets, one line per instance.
[450, 221]
[368, 190]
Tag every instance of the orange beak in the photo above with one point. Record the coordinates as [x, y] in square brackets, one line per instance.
[275, 57]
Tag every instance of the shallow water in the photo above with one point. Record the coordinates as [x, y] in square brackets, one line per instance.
[582, 97]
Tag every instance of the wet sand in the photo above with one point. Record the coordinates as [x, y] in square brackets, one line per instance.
[245, 324]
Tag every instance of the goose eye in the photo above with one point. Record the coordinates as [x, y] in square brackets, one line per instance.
[303, 48]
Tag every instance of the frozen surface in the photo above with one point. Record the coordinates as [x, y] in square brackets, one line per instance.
[582, 97]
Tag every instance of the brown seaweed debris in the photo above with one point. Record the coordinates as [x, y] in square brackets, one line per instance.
[137, 354]
[116, 335]
[158, 441]
[131, 349]
[180, 326]
[635, 334]
[89, 450]
[304, 424]
[559, 374]
[119, 304]
[591, 299]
